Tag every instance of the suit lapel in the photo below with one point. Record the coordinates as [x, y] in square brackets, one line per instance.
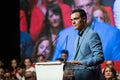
[83, 36]
[77, 48]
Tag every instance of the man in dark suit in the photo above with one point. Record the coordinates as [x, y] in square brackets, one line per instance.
[88, 53]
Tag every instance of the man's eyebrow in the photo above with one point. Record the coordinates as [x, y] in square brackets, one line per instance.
[75, 18]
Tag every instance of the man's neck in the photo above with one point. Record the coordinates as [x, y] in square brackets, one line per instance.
[81, 32]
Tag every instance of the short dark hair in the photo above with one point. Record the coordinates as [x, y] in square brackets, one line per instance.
[81, 11]
[64, 51]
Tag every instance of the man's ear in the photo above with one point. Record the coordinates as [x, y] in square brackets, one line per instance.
[84, 19]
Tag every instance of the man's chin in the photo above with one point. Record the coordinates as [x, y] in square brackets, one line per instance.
[75, 28]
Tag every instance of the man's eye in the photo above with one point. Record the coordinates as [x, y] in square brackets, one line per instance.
[76, 18]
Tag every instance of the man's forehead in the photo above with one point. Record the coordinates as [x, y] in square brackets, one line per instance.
[75, 14]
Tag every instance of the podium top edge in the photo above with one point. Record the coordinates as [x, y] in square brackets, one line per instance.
[48, 63]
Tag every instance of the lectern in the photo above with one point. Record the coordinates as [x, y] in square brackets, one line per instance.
[49, 70]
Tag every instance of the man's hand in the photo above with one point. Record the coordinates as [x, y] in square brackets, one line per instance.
[75, 62]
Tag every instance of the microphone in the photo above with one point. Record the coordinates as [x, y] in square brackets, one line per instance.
[66, 42]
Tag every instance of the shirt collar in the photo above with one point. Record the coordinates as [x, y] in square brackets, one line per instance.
[81, 32]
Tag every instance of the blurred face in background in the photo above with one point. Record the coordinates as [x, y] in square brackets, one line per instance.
[118, 76]
[7, 75]
[108, 73]
[1, 72]
[27, 63]
[41, 59]
[20, 71]
[110, 63]
[99, 14]
[88, 6]
[14, 63]
[54, 19]
[64, 56]
[1, 63]
[44, 48]
[29, 76]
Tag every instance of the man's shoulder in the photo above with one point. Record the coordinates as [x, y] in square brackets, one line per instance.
[91, 32]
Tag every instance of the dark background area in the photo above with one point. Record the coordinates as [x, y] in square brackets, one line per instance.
[9, 32]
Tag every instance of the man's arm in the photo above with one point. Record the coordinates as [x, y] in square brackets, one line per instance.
[96, 51]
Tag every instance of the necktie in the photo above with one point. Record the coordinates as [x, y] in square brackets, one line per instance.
[78, 41]
[77, 48]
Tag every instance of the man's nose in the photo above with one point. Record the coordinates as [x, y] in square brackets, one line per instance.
[73, 22]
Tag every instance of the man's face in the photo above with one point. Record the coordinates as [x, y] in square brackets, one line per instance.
[88, 6]
[77, 21]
